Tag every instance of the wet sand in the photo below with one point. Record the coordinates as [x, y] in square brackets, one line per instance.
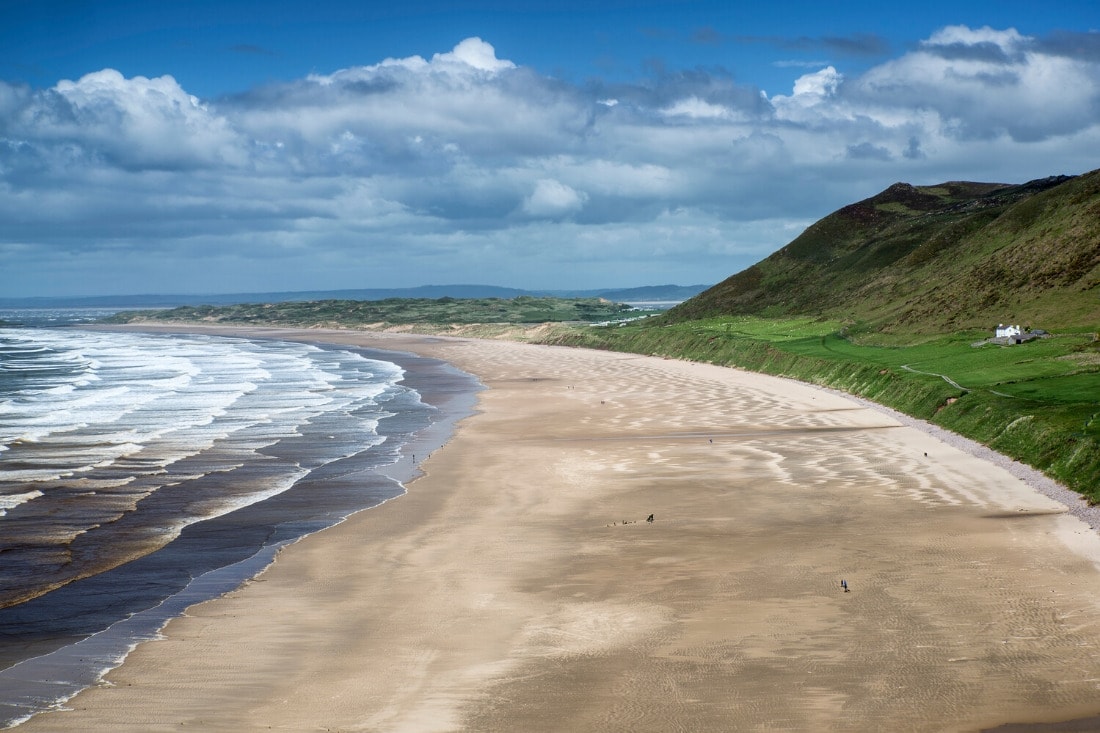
[519, 587]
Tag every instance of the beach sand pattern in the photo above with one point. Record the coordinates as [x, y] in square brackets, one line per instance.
[518, 585]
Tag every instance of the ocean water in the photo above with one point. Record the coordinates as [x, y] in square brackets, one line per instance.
[141, 473]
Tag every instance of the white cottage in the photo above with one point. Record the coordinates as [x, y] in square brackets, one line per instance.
[1004, 331]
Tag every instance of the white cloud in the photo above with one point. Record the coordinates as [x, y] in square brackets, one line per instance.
[698, 109]
[475, 53]
[622, 180]
[821, 83]
[466, 156]
[813, 99]
[963, 35]
[471, 55]
[462, 103]
[552, 199]
[136, 122]
[983, 83]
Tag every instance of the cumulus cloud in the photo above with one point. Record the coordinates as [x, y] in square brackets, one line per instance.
[813, 100]
[476, 54]
[985, 83]
[463, 158]
[552, 198]
[821, 83]
[136, 123]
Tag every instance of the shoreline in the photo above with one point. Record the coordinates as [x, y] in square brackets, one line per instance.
[66, 658]
[504, 591]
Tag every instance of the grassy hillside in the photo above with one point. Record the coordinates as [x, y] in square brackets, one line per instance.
[931, 259]
[893, 298]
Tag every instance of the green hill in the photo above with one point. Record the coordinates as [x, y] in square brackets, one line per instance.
[895, 298]
[929, 259]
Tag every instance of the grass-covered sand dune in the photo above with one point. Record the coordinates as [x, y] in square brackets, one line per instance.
[390, 312]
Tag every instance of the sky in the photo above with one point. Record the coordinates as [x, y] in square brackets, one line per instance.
[228, 147]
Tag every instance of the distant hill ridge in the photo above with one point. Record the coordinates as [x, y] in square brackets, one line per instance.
[644, 293]
[931, 258]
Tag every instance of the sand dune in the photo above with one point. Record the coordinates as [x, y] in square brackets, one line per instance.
[519, 587]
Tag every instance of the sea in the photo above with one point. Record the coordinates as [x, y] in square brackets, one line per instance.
[141, 473]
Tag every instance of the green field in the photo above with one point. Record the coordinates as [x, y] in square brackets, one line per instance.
[1037, 402]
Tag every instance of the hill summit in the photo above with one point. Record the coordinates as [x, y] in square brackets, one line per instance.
[932, 258]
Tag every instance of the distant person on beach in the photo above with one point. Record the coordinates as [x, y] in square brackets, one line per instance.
[649, 518]
[844, 585]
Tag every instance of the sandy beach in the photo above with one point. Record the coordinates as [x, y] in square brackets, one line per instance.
[518, 586]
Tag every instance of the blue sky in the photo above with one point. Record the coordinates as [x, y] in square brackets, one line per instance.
[227, 146]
